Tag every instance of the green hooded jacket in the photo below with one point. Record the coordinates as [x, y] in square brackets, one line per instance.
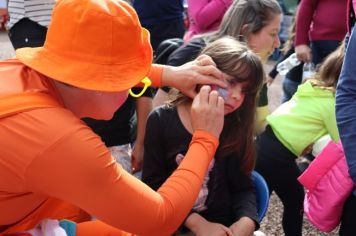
[309, 115]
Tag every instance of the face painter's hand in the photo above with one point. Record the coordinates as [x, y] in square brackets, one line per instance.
[198, 72]
[207, 111]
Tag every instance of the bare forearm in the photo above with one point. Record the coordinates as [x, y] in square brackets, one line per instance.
[143, 108]
[243, 227]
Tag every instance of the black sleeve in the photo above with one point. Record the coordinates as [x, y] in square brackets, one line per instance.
[184, 54]
[154, 170]
[273, 73]
[243, 193]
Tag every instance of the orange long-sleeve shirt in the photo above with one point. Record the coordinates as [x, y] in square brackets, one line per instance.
[52, 165]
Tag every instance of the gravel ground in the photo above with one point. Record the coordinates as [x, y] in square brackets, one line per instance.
[271, 225]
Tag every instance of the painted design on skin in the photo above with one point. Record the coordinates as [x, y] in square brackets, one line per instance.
[224, 93]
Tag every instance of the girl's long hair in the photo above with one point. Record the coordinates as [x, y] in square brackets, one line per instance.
[328, 73]
[291, 37]
[235, 59]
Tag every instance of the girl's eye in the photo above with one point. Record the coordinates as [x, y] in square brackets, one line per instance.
[231, 82]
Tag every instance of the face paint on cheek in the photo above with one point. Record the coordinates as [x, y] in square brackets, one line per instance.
[224, 93]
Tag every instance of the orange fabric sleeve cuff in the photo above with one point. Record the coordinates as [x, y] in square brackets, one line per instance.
[207, 135]
[155, 75]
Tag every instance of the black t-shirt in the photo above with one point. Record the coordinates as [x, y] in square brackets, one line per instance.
[186, 52]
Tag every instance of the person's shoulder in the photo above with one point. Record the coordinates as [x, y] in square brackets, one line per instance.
[163, 117]
[186, 52]
[57, 121]
[46, 127]
[196, 43]
[163, 111]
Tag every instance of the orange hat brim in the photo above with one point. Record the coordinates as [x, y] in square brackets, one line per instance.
[90, 75]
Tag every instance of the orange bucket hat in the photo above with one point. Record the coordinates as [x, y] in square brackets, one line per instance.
[93, 44]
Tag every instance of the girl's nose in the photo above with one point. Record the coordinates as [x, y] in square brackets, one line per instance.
[236, 92]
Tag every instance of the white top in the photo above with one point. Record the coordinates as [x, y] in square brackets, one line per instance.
[39, 11]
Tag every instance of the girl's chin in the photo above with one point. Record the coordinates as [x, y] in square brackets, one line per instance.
[227, 110]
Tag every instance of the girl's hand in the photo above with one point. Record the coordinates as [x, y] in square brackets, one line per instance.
[137, 158]
[213, 229]
[207, 111]
[201, 71]
[201, 227]
[243, 227]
